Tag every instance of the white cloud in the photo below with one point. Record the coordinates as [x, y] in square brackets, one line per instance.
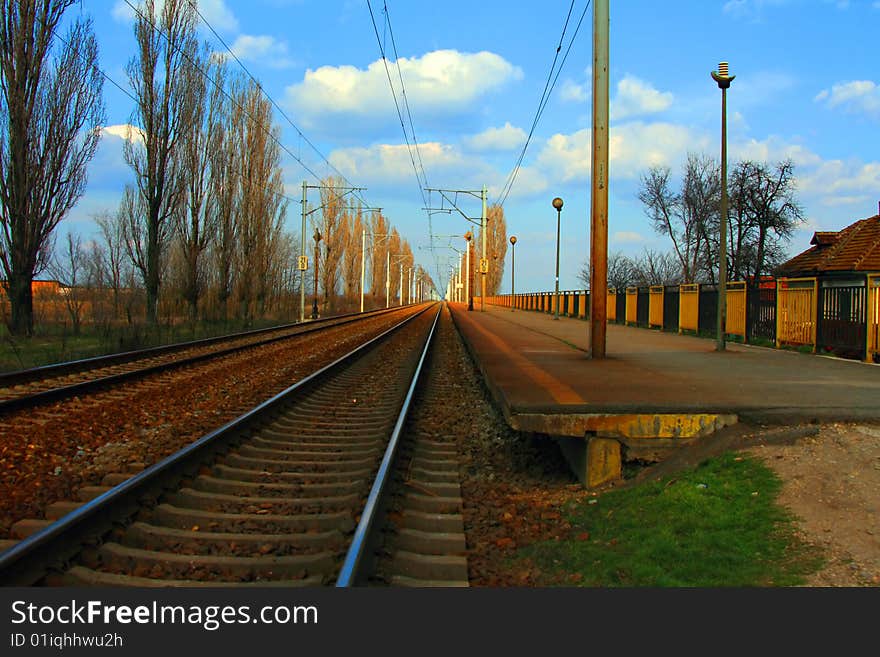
[752, 9]
[573, 92]
[627, 237]
[505, 138]
[124, 131]
[835, 201]
[214, 12]
[774, 149]
[264, 50]
[440, 82]
[836, 178]
[636, 97]
[566, 157]
[633, 147]
[391, 163]
[856, 96]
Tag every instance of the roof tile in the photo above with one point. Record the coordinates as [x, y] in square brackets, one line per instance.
[856, 248]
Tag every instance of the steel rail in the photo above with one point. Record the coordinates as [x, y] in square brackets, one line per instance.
[63, 392]
[18, 377]
[26, 562]
[352, 573]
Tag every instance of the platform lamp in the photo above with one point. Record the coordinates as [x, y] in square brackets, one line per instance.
[557, 203]
[512, 272]
[723, 79]
[317, 237]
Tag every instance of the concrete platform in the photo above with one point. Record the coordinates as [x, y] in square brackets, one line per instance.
[652, 386]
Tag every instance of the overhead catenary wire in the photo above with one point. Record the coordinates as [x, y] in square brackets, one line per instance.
[549, 85]
[278, 107]
[416, 168]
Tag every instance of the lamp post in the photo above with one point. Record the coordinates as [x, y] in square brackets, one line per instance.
[723, 79]
[317, 237]
[557, 203]
[512, 272]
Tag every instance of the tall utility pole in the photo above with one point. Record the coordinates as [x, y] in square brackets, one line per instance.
[723, 80]
[599, 183]
[303, 264]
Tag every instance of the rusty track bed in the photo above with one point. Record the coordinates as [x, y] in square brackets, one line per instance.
[269, 499]
[28, 388]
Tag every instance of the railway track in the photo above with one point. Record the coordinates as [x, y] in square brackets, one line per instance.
[291, 493]
[31, 387]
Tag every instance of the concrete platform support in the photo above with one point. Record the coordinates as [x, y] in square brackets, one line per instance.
[595, 461]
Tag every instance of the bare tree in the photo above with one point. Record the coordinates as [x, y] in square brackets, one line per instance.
[50, 118]
[351, 259]
[70, 268]
[656, 268]
[223, 200]
[620, 273]
[195, 223]
[261, 207]
[160, 75]
[397, 256]
[115, 269]
[332, 202]
[765, 213]
[380, 232]
[685, 217]
[496, 247]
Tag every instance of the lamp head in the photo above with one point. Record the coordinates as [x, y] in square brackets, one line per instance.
[513, 239]
[557, 203]
[722, 76]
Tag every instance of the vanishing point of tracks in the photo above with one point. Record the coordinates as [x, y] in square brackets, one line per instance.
[291, 493]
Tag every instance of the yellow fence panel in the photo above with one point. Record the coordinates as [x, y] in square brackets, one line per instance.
[735, 318]
[582, 305]
[655, 306]
[796, 311]
[873, 352]
[632, 298]
[611, 305]
[688, 307]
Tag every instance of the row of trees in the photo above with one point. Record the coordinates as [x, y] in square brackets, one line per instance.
[200, 230]
[762, 217]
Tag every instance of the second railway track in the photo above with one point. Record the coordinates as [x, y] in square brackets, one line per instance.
[272, 498]
[28, 388]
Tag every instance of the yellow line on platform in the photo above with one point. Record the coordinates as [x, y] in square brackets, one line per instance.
[560, 392]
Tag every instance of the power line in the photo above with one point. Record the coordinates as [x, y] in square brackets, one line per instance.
[222, 90]
[278, 107]
[545, 97]
[409, 147]
[128, 93]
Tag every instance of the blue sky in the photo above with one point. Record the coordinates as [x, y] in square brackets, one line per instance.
[806, 87]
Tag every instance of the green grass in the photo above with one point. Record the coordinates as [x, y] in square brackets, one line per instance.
[715, 526]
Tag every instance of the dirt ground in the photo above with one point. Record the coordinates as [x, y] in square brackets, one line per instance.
[831, 483]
